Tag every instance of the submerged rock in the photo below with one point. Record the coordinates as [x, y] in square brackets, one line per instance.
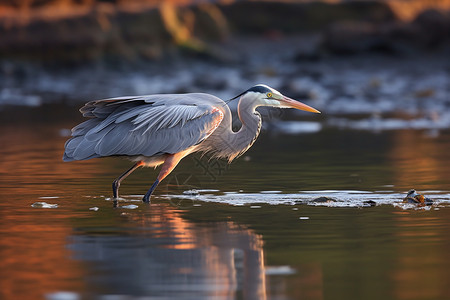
[323, 200]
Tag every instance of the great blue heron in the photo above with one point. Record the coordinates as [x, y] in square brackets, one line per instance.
[162, 129]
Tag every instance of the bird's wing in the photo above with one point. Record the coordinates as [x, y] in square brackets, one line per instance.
[145, 125]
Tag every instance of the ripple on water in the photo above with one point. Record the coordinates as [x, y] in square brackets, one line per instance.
[328, 198]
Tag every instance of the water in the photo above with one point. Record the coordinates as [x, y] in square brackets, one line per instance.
[250, 230]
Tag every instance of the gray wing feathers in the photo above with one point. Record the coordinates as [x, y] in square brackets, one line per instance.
[159, 117]
[146, 125]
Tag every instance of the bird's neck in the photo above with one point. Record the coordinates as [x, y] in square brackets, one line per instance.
[250, 119]
[244, 138]
[224, 142]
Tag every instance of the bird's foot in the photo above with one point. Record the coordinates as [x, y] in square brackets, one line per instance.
[115, 188]
[147, 196]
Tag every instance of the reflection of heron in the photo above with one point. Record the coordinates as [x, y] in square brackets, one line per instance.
[162, 129]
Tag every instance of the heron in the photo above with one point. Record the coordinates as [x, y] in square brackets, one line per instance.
[162, 129]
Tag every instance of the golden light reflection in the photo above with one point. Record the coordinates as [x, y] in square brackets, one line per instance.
[241, 262]
[35, 260]
[417, 160]
[34, 160]
[34, 245]
[34, 242]
[415, 265]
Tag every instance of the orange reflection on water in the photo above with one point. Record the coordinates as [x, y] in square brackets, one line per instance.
[418, 160]
[35, 260]
[415, 274]
[33, 244]
[232, 255]
[31, 162]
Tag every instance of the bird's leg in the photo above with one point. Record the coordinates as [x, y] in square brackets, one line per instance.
[146, 198]
[169, 164]
[116, 183]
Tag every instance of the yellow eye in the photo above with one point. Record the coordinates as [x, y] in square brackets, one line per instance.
[269, 95]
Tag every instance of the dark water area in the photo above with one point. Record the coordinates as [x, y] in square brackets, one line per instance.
[249, 230]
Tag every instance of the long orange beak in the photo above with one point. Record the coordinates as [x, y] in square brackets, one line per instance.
[297, 104]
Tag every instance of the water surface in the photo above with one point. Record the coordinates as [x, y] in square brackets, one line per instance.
[251, 231]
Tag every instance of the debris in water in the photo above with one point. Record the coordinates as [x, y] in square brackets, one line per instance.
[279, 270]
[415, 198]
[44, 205]
[131, 206]
[255, 206]
[192, 192]
[95, 208]
[304, 218]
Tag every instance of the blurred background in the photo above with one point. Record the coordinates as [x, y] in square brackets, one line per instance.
[379, 71]
[49, 49]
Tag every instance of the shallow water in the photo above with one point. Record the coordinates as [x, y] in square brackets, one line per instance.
[249, 230]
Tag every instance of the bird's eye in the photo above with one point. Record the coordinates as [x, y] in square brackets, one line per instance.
[269, 95]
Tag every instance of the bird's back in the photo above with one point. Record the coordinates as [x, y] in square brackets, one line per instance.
[143, 125]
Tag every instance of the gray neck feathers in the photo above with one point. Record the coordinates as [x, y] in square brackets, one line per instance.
[224, 143]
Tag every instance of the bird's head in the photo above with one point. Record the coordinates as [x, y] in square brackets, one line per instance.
[412, 193]
[263, 95]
